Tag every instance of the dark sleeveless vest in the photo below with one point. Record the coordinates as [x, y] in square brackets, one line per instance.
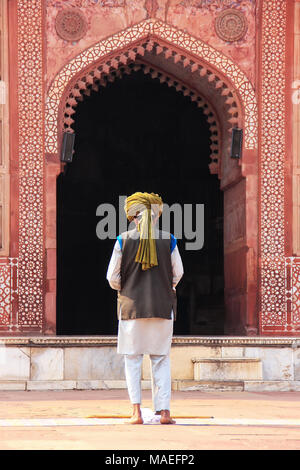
[146, 294]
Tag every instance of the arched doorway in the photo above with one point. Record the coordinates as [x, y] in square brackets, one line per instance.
[137, 134]
[202, 73]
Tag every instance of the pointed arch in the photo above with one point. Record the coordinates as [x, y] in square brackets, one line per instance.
[92, 81]
[192, 52]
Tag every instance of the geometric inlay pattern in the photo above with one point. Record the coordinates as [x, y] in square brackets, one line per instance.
[293, 292]
[8, 290]
[31, 157]
[145, 30]
[5, 294]
[273, 142]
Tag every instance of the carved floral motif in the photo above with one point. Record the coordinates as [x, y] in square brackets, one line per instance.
[231, 25]
[70, 24]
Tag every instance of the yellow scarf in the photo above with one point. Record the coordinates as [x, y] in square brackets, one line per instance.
[145, 203]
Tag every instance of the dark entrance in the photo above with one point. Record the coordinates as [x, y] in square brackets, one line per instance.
[136, 135]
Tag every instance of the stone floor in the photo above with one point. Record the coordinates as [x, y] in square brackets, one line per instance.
[205, 420]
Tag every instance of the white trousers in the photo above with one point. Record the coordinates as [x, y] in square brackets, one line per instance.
[160, 379]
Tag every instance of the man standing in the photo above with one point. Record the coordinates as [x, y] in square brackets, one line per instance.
[145, 268]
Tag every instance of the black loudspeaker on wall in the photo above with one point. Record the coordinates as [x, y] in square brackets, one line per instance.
[67, 149]
[236, 143]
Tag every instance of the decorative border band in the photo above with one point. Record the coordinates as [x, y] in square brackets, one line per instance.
[31, 163]
[90, 341]
[274, 318]
[8, 292]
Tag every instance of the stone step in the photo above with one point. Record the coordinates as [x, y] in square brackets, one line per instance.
[68, 384]
[207, 386]
[226, 369]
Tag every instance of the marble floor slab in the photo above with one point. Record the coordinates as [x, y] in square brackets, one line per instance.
[50, 422]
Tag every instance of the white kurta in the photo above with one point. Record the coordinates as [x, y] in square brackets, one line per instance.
[143, 335]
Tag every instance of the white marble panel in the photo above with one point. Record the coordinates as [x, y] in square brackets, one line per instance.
[232, 351]
[93, 363]
[47, 364]
[226, 369]
[15, 363]
[277, 363]
[296, 355]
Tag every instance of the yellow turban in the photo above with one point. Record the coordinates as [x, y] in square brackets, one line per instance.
[145, 204]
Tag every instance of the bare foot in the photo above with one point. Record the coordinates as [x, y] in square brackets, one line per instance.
[166, 418]
[136, 415]
[136, 420]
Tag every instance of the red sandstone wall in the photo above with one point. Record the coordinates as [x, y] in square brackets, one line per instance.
[107, 17]
[196, 17]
